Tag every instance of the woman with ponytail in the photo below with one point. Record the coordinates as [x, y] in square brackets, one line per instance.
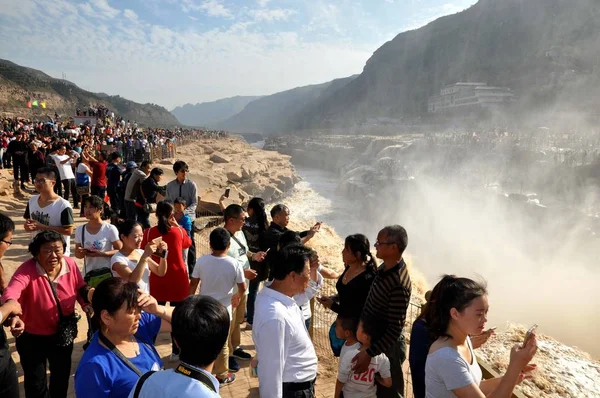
[354, 284]
[174, 286]
[254, 229]
[458, 309]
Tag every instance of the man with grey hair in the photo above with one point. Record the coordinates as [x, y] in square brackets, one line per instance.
[389, 299]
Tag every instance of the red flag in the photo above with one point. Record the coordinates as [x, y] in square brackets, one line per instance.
[29, 104]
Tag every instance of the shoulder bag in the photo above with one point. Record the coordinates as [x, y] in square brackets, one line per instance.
[67, 325]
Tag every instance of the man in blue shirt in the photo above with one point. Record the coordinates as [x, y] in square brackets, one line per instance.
[200, 326]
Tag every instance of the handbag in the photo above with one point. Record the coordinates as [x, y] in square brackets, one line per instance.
[148, 207]
[95, 276]
[83, 190]
[336, 344]
[67, 325]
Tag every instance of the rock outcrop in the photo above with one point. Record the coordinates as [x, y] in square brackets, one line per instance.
[231, 163]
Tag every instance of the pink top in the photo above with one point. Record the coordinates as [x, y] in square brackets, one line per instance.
[29, 286]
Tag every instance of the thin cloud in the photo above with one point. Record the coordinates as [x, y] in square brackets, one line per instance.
[212, 8]
[271, 15]
[170, 66]
[130, 14]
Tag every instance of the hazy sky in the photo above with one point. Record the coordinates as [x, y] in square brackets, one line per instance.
[172, 52]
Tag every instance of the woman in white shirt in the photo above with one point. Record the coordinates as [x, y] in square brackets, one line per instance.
[134, 264]
[460, 307]
[82, 179]
[95, 242]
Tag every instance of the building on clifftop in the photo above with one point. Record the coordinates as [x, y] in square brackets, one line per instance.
[467, 97]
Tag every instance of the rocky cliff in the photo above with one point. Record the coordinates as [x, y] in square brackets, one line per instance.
[545, 50]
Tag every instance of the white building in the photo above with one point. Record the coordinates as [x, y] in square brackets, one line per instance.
[468, 97]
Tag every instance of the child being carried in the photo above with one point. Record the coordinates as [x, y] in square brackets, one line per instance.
[359, 336]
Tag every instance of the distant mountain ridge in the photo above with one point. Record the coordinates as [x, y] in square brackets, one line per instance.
[19, 84]
[279, 113]
[210, 114]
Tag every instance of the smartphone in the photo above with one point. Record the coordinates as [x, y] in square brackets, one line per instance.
[227, 191]
[157, 241]
[529, 333]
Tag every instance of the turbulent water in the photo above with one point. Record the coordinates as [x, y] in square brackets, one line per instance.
[559, 292]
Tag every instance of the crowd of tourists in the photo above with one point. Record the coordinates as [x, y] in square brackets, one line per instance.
[259, 273]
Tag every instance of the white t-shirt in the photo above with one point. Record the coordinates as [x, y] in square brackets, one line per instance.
[82, 168]
[361, 385]
[144, 283]
[102, 241]
[219, 276]
[65, 170]
[57, 214]
[446, 370]
[238, 253]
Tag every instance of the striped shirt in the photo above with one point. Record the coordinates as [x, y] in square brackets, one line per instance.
[389, 298]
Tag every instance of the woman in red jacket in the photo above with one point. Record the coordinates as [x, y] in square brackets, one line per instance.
[174, 285]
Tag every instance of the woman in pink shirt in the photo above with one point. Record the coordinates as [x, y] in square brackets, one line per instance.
[41, 342]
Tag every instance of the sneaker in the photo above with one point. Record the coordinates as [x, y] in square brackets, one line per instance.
[233, 365]
[174, 358]
[241, 354]
[248, 326]
[230, 378]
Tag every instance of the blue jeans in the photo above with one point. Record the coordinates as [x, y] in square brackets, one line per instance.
[252, 292]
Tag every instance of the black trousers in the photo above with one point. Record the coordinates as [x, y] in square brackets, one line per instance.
[130, 210]
[9, 382]
[299, 390]
[70, 188]
[20, 169]
[114, 199]
[58, 186]
[397, 355]
[143, 217]
[7, 160]
[175, 304]
[34, 351]
[98, 191]
[191, 258]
